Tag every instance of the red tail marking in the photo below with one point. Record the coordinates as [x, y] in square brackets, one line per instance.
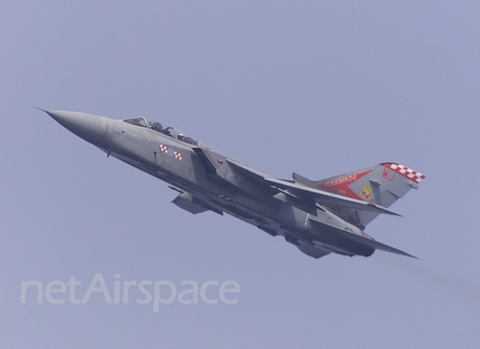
[341, 185]
[385, 174]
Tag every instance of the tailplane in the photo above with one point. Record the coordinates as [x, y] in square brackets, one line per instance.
[382, 184]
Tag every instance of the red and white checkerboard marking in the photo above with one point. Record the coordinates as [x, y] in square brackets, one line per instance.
[177, 155]
[407, 172]
[163, 148]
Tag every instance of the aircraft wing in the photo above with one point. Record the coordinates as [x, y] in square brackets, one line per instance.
[300, 192]
[252, 174]
[327, 198]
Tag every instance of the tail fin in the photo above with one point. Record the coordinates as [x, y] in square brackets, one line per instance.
[381, 184]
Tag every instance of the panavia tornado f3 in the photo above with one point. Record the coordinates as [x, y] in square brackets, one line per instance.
[319, 217]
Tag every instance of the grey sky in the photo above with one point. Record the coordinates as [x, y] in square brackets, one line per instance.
[316, 88]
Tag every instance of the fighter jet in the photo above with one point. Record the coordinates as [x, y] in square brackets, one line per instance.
[318, 217]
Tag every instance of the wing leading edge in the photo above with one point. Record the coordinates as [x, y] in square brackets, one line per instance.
[306, 193]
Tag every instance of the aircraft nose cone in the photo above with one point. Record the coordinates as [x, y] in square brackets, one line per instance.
[90, 127]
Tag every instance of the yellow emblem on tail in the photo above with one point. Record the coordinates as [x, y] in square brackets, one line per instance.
[366, 191]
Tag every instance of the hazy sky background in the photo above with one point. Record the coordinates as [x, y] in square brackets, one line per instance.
[316, 88]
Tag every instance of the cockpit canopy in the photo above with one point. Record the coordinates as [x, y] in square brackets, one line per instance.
[162, 128]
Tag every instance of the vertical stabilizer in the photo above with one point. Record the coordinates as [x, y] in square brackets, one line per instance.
[382, 184]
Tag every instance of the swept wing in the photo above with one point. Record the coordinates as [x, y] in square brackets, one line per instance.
[300, 192]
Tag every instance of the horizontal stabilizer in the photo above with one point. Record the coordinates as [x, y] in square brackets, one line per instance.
[379, 246]
[360, 239]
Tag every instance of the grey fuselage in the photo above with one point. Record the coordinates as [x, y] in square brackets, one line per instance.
[318, 217]
[224, 191]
